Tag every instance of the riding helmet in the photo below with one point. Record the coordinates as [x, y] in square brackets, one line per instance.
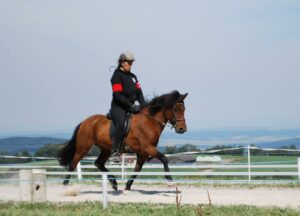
[126, 56]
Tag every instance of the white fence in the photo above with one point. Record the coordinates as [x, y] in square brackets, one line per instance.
[249, 166]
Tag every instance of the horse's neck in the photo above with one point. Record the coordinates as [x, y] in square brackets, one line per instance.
[159, 117]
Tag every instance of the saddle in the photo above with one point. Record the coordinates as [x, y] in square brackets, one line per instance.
[112, 129]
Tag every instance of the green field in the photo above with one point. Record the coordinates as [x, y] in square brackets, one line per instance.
[95, 208]
[261, 159]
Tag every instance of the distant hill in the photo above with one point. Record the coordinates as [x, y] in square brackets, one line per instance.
[31, 144]
[279, 143]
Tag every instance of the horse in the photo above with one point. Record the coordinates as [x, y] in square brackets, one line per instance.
[142, 138]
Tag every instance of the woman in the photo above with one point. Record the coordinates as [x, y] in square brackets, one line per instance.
[126, 91]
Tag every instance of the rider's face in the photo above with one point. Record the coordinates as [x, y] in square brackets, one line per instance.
[126, 65]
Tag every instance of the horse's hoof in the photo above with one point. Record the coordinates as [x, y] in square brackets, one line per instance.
[171, 183]
[115, 187]
[66, 182]
[127, 188]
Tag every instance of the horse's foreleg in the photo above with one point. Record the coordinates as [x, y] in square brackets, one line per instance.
[138, 166]
[165, 162]
[100, 164]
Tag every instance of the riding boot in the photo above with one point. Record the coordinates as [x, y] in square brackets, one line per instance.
[115, 155]
[115, 146]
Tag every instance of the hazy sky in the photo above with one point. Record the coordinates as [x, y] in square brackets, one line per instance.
[238, 60]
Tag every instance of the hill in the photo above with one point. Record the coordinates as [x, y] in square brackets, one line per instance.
[13, 145]
[279, 143]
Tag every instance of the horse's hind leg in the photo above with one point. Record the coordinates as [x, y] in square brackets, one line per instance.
[81, 150]
[72, 167]
[100, 164]
[138, 166]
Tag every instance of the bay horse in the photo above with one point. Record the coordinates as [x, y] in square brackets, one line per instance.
[142, 139]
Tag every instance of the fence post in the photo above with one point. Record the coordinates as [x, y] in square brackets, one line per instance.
[299, 167]
[39, 185]
[79, 173]
[25, 185]
[123, 165]
[249, 164]
[104, 190]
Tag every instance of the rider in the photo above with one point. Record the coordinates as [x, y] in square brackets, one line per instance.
[126, 91]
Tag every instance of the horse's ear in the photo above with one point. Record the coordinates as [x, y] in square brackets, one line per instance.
[182, 97]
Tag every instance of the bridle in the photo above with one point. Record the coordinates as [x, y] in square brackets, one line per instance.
[172, 122]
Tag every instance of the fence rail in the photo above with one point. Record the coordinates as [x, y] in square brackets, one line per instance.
[123, 171]
[249, 166]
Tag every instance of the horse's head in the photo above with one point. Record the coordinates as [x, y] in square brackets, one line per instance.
[172, 107]
[175, 115]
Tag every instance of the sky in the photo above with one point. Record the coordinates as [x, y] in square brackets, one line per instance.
[238, 60]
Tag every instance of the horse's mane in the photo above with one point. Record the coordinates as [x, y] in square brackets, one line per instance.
[163, 101]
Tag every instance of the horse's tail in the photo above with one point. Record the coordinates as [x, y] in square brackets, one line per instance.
[67, 153]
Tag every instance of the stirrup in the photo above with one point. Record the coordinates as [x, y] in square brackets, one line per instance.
[115, 157]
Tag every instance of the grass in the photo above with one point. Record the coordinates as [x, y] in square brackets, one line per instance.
[95, 208]
[261, 159]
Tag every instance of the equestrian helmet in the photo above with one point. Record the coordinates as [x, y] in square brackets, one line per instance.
[126, 56]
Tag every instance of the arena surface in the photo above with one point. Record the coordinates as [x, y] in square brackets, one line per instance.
[280, 197]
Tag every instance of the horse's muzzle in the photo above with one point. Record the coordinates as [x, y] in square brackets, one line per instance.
[181, 130]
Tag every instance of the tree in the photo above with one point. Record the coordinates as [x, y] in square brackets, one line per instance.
[171, 150]
[49, 150]
[187, 148]
[23, 153]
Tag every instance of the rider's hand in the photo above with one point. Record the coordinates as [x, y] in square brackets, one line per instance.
[135, 108]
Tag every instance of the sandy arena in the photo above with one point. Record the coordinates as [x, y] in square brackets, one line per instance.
[280, 197]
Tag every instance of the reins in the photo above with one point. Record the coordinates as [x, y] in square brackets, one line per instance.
[150, 117]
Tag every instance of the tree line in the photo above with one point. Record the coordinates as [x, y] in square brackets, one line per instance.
[49, 150]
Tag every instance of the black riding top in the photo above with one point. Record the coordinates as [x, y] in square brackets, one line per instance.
[126, 89]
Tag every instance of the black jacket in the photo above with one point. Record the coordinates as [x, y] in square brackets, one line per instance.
[126, 89]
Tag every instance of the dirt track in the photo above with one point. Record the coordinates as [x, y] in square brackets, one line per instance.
[281, 197]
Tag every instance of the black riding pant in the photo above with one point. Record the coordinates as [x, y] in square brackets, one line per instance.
[118, 116]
